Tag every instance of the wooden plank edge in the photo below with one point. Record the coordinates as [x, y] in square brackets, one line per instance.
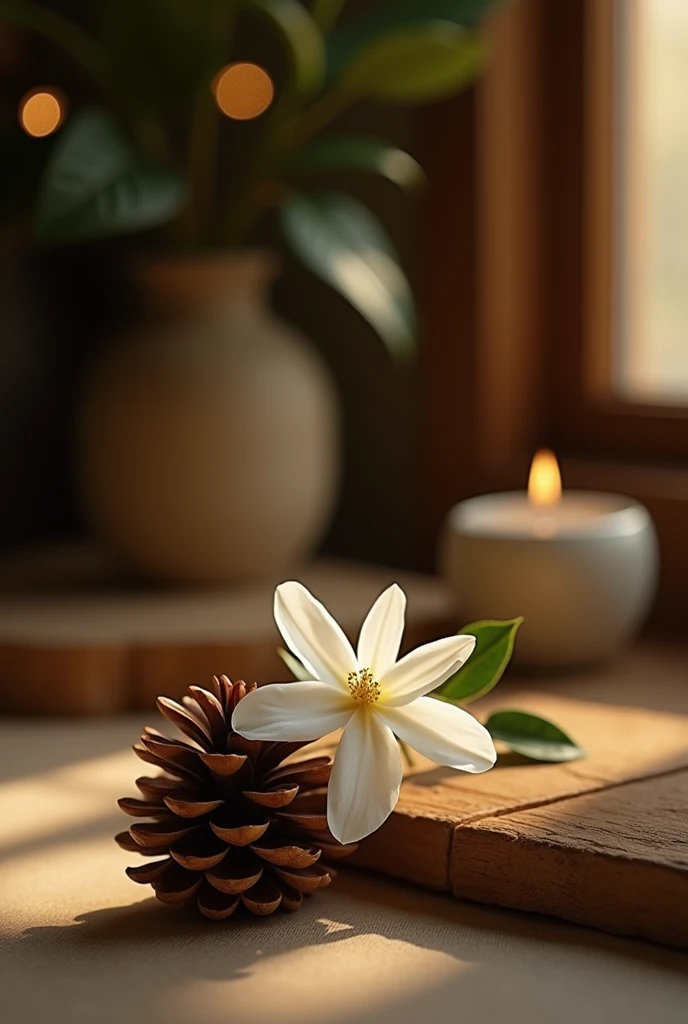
[611, 893]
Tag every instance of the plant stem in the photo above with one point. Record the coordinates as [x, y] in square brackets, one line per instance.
[243, 208]
[61, 31]
[203, 138]
[326, 12]
[201, 162]
[324, 110]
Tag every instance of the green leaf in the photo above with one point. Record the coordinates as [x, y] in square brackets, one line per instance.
[95, 185]
[59, 30]
[414, 64]
[341, 242]
[302, 38]
[399, 14]
[298, 670]
[357, 153]
[485, 667]
[535, 737]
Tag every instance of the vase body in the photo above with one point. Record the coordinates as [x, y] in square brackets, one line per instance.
[208, 440]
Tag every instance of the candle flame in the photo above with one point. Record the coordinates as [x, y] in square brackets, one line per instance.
[544, 482]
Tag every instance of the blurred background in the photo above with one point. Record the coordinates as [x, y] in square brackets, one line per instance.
[290, 278]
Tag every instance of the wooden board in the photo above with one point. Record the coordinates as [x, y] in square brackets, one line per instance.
[77, 638]
[616, 859]
[602, 842]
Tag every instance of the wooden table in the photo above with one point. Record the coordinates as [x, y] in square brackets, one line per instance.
[81, 944]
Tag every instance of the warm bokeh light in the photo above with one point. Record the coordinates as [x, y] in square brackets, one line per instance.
[41, 112]
[243, 91]
[544, 482]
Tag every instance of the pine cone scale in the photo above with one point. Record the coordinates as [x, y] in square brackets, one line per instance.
[305, 880]
[312, 822]
[199, 853]
[224, 764]
[240, 835]
[143, 808]
[126, 841]
[176, 885]
[237, 873]
[288, 856]
[264, 898]
[214, 714]
[216, 905]
[315, 771]
[160, 832]
[145, 874]
[272, 798]
[190, 808]
[189, 724]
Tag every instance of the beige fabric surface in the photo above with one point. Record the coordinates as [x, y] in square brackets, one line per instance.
[81, 944]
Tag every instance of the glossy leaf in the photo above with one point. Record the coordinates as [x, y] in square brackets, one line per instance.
[301, 37]
[398, 14]
[485, 667]
[298, 670]
[533, 736]
[357, 153]
[414, 64]
[340, 241]
[95, 185]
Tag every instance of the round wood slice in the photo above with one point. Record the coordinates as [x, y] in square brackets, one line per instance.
[79, 637]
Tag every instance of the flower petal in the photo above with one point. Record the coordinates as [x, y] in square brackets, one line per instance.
[444, 733]
[312, 634]
[424, 669]
[291, 711]
[365, 780]
[380, 637]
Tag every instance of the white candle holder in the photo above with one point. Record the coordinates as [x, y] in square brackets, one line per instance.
[582, 574]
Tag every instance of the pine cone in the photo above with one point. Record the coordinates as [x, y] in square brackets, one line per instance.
[232, 822]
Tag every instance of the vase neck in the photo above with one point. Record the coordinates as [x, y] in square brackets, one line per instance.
[179, 286]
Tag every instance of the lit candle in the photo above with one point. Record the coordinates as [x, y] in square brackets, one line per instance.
[580, 566]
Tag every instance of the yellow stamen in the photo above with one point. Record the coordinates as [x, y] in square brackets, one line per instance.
[364, 688]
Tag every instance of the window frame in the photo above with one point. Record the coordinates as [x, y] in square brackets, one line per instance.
[587, 418]
[515, 278]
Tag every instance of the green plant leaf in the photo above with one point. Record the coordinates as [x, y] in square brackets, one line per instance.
[95, 185]
[341, 242]
[303, 39]
[533, 736]
[298, 670]
[485, 667]
[395, 15]
[357, 153]
[414, 64]
[60, 31]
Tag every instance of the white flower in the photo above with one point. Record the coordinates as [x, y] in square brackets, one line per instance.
[373, 697]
